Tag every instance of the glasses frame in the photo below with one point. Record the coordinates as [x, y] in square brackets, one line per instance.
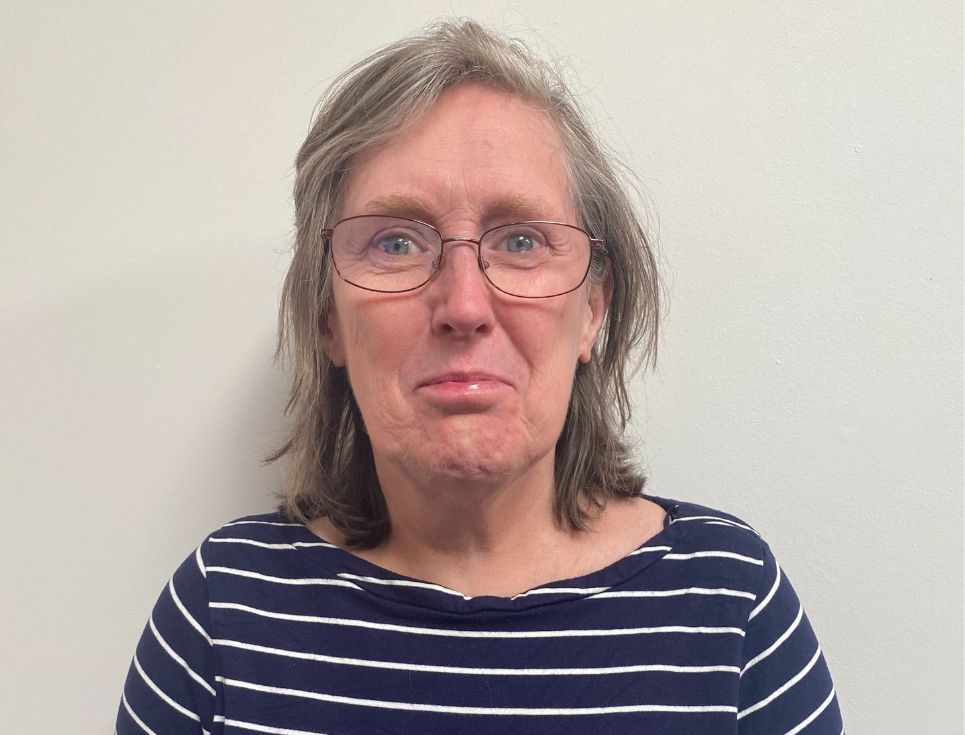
[596, 246]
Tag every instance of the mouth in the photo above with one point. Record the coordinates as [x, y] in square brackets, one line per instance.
[467, 378]
[465, 390]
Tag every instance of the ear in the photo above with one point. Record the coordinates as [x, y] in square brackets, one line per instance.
[330, 335]
[597, 304]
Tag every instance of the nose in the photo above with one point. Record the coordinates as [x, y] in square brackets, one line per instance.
[460, 295]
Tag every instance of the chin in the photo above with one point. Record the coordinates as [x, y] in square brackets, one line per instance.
[483, 463]
[464, 471]
[469, 448]
[468, 457]
[456, 461]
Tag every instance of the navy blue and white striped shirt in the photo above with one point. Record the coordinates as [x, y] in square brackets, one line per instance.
[266, 628]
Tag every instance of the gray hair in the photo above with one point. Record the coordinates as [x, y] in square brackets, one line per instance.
[332, 471]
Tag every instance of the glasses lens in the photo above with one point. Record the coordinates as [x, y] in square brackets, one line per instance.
[536, 259]
[385, 253]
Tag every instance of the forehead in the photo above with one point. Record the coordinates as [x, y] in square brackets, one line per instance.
[477, 152]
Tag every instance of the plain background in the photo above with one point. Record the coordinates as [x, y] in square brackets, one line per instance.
[804, 168]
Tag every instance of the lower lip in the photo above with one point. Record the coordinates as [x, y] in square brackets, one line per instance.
[465, 390]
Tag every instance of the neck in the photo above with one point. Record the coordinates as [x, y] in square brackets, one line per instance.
[479, 536]
[499, 538]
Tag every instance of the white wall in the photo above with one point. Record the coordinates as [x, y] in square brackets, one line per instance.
[805, 162]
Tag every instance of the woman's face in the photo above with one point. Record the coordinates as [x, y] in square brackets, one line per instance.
[457, 380]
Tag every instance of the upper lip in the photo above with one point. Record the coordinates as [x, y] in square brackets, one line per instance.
[463, 376]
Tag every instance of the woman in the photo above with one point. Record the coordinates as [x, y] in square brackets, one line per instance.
[464, 544]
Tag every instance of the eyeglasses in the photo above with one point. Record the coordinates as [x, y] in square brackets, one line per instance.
[532, 260]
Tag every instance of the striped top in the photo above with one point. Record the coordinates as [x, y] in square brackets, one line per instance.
[265, 628]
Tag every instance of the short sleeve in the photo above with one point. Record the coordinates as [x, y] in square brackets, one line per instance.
[170, 687]
[785, 685]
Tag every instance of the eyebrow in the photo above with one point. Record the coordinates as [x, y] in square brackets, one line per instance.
[504, 209]
[400, 206]
[518, 207]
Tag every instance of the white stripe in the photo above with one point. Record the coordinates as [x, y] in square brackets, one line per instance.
[813, 716]
[263, 523]
[265, 728]
[446, 632]
[459, 710]
[561, 591]
[134, 717]
[403, 583]
[777, 693]
[157, 690]
[197, 557]
[435, 669]
[700, 554]
[184, 611]
[284, 580]
[448, 591]
[718, 519]
[184, 664]
[773, 647]
[265, 545]
[647, 549]
[596, 592]
[767, 599]
[721, 554]
[675, 593]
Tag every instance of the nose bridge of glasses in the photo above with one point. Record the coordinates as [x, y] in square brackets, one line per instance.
[460, 241]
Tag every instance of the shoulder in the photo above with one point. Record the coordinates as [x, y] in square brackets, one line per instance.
[679, 510]
[261, 526]
[710, 548]
[257, 531]
[257, 525]
[701, 527]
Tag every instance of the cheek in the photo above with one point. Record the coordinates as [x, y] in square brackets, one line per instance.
[377, 347]
[365, 349]
[551, 347]
[366, 331]
[551, 340]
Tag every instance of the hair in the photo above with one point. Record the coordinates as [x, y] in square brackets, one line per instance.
[332, 471]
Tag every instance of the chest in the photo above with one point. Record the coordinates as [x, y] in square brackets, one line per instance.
[610, 665]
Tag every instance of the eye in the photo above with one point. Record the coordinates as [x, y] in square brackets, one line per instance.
[519, 243]
[396, 245]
